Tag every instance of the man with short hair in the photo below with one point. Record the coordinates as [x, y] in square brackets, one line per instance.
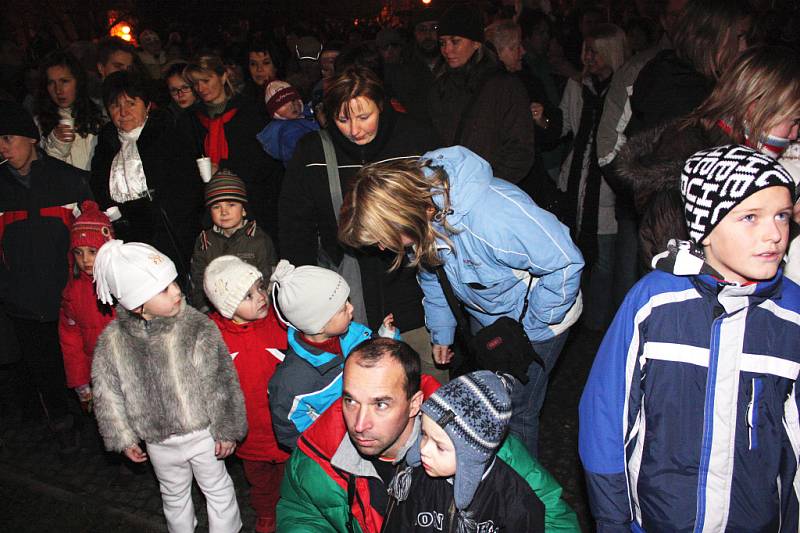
[339, 477]
[113, 55]
[38, 196]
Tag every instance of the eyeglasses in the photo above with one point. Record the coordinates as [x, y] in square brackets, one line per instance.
[183, 89]
[427, 28]
[311, 57]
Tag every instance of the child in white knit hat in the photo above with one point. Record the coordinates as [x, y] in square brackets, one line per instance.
[163, 375]
[314, 302]
[256, 341]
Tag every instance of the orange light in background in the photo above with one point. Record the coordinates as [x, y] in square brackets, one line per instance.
[121, 28]
[426, 2]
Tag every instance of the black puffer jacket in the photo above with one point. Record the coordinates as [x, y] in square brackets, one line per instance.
[261, 174]
[666, 88]
[306, 211]
[497, 124]
[34, 235]
[173, 177]
[650, 167]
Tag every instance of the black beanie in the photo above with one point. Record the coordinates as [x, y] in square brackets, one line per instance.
[462, 20]
[15, 120]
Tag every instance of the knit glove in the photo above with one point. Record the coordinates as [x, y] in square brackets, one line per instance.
[86, 398]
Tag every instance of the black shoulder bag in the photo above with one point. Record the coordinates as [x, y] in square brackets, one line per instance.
[500, 347]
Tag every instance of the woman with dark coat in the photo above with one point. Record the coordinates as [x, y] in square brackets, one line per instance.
[474, 102]
[364, 128]
[143, 167]
[223, 126]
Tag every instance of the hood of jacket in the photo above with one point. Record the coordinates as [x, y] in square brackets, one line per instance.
[469, 177]
[652, 160]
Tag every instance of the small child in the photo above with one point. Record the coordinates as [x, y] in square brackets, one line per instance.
[256, 342]
[689, 418]
[162, 374]
[462, 485]
[82, 318]
[291, 120]
[313, 301]
[231, 233]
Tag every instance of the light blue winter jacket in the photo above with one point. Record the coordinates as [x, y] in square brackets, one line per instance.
[503, 237]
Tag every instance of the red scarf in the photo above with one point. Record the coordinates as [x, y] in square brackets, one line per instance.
[215, 144]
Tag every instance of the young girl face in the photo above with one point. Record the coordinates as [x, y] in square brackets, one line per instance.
[227, 216]
[436, 449]
[261, 68]
[84, 258]
[166, 303]
[61, 85]
[180, 91]
[254, 306]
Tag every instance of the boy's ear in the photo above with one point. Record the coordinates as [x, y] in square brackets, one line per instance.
[415, 404]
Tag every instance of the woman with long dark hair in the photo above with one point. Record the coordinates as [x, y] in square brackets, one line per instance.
[67, 117]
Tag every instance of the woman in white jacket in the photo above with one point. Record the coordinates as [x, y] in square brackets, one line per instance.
[68, 119]
[589, 210]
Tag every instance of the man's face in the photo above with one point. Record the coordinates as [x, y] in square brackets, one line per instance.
[117, 61]
[19, 151]
[378, 414]
[425, 34]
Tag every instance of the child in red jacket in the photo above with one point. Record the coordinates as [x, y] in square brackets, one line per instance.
[255, 339]
[82, 318]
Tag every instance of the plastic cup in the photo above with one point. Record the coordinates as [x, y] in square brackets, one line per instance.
[71, 123]
[204, 166]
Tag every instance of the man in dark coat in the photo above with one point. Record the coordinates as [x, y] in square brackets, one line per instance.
[37, 196]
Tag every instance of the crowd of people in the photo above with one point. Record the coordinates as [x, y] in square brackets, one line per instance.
[354, 260]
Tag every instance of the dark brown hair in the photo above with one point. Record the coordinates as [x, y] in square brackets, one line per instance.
[353, 82]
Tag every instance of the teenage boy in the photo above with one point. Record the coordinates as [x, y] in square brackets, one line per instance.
[689, 420]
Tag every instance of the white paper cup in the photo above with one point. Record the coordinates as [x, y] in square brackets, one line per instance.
[67, 122]
[204, 166]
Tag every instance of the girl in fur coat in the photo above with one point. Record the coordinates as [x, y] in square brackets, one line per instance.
[162, 374]
[82, 318]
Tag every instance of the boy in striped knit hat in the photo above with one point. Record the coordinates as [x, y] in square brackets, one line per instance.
[463, 486]
[230, 233]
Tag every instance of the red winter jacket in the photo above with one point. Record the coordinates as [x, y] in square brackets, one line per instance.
[257, 349]
[80, 323]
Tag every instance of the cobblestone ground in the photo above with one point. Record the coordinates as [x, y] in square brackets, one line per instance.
[93, 491]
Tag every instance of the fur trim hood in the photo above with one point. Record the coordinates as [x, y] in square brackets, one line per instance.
[651, 161]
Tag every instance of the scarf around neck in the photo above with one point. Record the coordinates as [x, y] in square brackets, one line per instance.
[127, 181]
[215, 144]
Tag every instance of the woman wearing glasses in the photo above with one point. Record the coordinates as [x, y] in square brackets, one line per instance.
[181, 94]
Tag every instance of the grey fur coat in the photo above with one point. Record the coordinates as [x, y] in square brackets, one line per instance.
[164, 377]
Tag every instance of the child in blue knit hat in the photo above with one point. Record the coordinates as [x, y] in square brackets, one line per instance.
[457, 482]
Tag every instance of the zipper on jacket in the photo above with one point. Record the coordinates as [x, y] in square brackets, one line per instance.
[451, 513]
[752, 413]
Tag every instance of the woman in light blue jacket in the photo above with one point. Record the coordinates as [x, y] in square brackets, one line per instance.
[490, 237]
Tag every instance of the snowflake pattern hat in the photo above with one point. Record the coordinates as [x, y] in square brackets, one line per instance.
[474, 410]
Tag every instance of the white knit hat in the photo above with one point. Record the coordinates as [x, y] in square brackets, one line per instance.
[308, 296]
[132, 272]
[226, 282]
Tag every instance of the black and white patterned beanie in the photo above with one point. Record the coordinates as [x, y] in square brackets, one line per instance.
[715, 181]
[474, 410]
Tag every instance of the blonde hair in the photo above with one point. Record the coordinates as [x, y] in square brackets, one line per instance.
[392, 200]
[209, 64]
[761, 88]
[502, 33]
[610, 43]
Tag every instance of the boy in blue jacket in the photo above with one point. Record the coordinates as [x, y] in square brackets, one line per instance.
[315, 303]
[689, 419]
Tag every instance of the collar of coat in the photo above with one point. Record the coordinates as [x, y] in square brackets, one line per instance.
[134, 325]
[349, 460]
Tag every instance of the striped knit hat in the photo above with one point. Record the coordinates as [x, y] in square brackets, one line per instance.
[474, 410]
[225, 185]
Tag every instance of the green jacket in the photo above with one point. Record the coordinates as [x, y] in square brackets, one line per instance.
[314, 487]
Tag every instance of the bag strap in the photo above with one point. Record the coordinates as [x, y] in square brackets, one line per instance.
[453, 302]
[332, 166]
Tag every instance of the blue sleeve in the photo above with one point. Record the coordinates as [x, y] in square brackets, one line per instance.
[545, 249]
[609, 404]
[439, 318]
